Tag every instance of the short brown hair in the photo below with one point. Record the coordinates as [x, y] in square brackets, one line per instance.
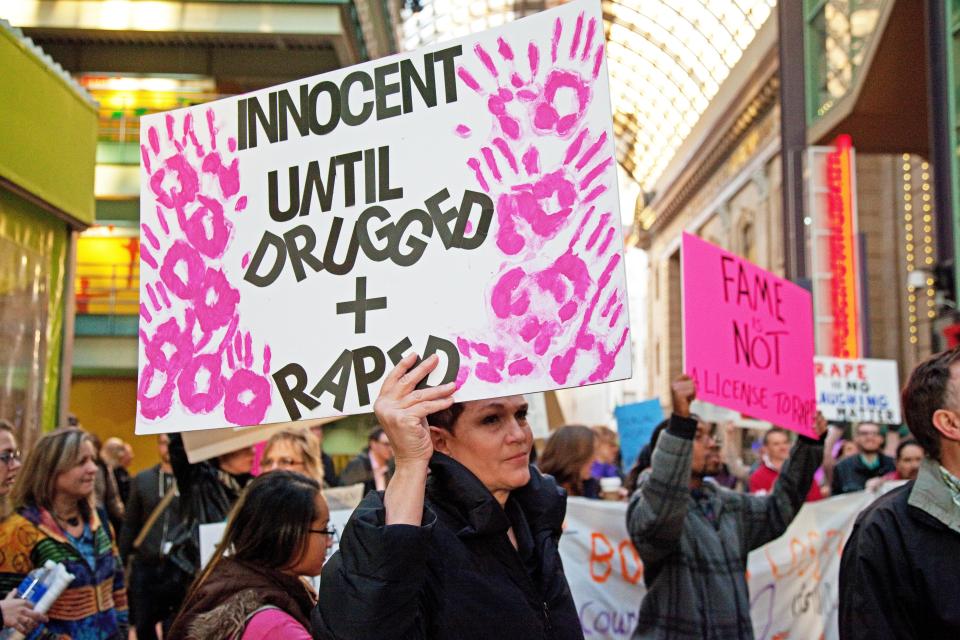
[446, 418]
[567, 450]
[605, 434]
[925, 393]
[772, 430]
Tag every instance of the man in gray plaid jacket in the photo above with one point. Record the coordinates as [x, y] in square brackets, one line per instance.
[694, 536]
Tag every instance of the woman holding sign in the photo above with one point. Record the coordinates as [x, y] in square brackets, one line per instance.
[470, 549]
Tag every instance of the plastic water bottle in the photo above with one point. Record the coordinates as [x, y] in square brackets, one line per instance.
[34, 585]
[41, 588]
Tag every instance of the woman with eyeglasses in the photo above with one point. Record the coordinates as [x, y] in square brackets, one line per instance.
[295, 450]
[254, 588]
[56, 519]
[17, 613]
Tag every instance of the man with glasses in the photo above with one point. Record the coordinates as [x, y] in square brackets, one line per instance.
[371, 466]
[852, 473]
[694, 536]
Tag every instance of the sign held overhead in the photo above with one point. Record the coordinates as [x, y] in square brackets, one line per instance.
[458, 200]
[748, 337]
[862, 390]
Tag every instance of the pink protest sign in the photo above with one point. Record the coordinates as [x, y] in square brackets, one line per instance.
[748, 337]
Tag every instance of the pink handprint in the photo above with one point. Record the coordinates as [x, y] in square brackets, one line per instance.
[197, 319]
[522, 101]
[546, 318]
[548, 315]
[247, 392]
[544, 205]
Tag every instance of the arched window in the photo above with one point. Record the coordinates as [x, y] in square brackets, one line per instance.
[747, 243]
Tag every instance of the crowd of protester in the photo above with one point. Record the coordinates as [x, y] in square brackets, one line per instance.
[457, 525]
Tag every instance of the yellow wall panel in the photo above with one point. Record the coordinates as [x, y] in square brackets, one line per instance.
[107, 407]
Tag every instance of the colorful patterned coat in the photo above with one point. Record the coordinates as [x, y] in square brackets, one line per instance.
[94, 606]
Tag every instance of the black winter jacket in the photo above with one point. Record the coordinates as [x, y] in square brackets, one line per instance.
[900, 572]
[851, 474]
[207, 494]
[456, 577]
[146, 491]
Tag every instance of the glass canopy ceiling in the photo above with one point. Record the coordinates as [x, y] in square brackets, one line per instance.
[666, 59]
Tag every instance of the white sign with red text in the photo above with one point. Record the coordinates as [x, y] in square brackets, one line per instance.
[862, 390]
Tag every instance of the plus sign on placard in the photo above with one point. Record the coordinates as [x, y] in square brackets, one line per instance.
[361, 305]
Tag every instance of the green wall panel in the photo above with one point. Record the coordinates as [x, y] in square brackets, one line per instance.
[48, 133]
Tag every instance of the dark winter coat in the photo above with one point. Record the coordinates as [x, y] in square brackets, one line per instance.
[360, 469]
[234, 590]
[694, 568]
[900, 572]
[456, 577]
[147, 489]
[851, 474]
[329, 472]
[207, 494]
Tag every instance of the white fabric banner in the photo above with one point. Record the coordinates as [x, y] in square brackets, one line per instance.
[794, 580]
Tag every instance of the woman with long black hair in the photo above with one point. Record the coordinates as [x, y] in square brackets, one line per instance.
[253, 587]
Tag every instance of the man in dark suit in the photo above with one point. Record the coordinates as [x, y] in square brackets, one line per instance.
[147, 490]
[372, 465]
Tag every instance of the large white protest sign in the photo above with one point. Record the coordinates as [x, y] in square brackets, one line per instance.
[858, 390]
[458, 200]
[793, 580]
